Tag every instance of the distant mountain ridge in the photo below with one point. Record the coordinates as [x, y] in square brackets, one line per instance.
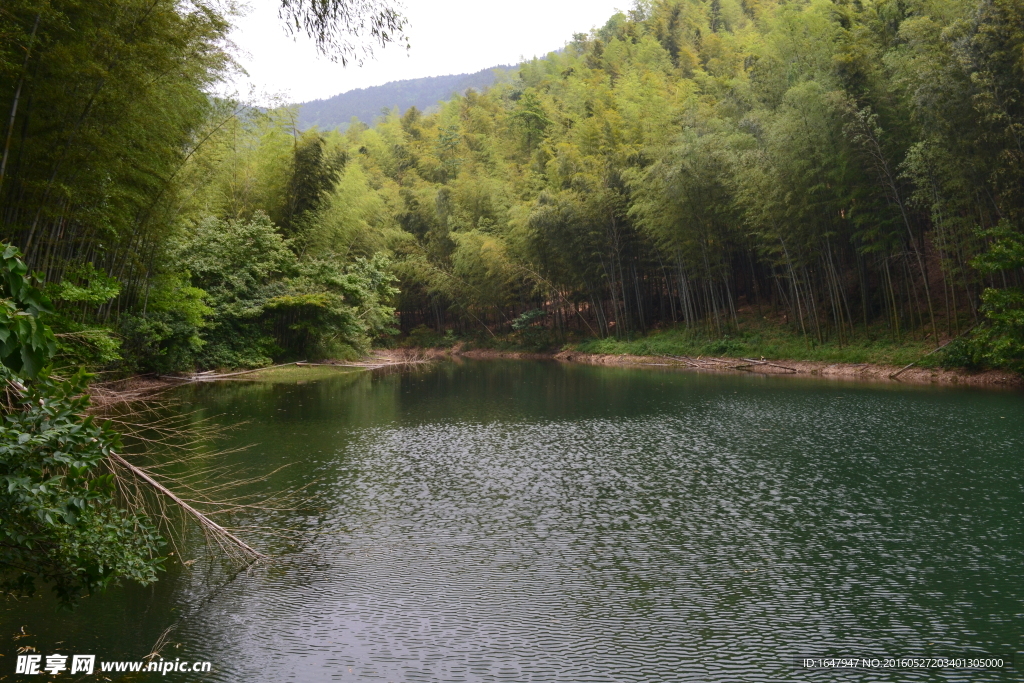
[366, 104]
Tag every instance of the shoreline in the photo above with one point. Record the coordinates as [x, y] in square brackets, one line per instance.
[105, 395]
[862, 372]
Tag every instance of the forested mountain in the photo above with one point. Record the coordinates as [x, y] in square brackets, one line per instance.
[369, 104]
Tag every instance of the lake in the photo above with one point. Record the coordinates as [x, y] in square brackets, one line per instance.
[535, 521]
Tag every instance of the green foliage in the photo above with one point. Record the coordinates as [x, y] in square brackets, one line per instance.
[236, 262]
[62, 521]
[1000, 343]
[528, 319]
[240, 265]
[331, 311]
[160, 239]
[166, 336]
[102, 100]
[963, 353]
[82, 340]
[1005, 252]
[314, 177]
[25, 343]
[687, 163]
[63, 524]
[532, 334]
[96, 286]
[694, 163]
[423, 337]
[259, 301]
[86, 346]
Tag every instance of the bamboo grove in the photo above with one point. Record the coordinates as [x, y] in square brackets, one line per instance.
[841, 165]
[840, 168]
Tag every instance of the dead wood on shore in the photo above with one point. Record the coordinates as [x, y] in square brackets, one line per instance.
[727, 363]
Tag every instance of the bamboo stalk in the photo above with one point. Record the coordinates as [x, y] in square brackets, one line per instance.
[17, 96]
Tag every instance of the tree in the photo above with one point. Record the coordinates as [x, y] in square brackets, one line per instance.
[1001, 342]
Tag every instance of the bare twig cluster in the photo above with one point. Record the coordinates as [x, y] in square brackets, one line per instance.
[231, 545]
[170, 470]
[745, 364]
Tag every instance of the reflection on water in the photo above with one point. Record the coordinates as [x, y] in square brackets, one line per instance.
[521, 521]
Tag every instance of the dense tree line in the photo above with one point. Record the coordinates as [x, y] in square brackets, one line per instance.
[843, 168]
[845, 165]
[109, 123]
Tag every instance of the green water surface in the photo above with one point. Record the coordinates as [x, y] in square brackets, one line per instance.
[532, 521]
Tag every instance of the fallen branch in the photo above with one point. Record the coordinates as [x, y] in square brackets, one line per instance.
[203, 377]
[209, 377]
[769, 364]
[910, 365]
[304, 364]
[717, 363]
[219, 532]
[682, 359]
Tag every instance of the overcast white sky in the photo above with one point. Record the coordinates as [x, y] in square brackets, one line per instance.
[447, 37]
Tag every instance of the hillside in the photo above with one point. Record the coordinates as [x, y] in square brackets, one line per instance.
[366, 104]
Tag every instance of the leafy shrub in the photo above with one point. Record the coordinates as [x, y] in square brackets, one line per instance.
[423, 337]
[961, 353]
[530, 318]
[333, 311]
[1000, 342]
[62, 522]
[61, 519]
[26, 344]
[165, 336]
[162, 342]
[262, 302]
[82, 339]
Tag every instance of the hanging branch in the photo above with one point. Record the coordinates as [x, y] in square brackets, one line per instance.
[222, 535]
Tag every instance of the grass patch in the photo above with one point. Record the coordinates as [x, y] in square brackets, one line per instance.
[297, 373]
[773, 343]
[753, 339]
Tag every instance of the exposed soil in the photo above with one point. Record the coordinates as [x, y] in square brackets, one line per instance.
[845, 371]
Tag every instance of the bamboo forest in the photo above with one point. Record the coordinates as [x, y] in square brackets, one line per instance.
[841, 170]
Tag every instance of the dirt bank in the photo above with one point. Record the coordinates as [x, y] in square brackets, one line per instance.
[845, 371]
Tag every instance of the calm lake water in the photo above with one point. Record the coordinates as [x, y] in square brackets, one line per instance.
[530, 521]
